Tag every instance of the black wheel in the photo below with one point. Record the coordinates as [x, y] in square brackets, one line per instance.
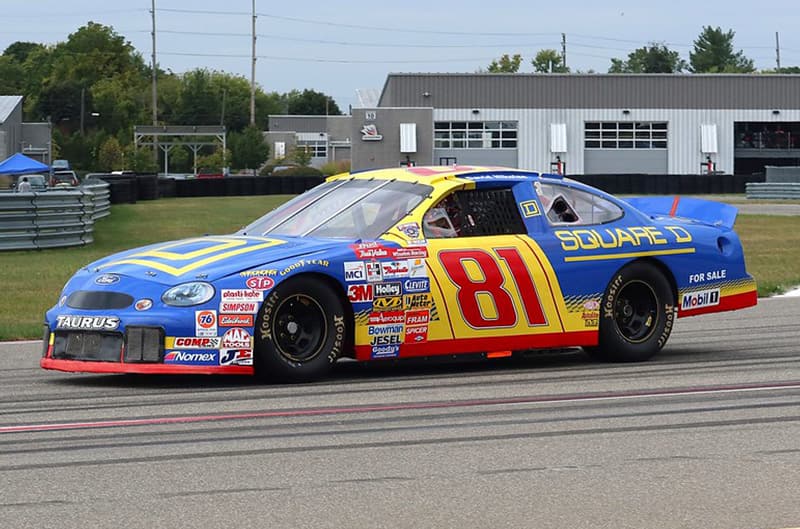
[636, 315]
[300, 331]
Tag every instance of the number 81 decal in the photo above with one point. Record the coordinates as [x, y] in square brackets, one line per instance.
[493, 285]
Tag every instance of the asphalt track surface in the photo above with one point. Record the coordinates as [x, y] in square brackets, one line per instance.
[705, 435]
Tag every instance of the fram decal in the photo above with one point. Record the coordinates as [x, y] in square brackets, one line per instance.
[418, 317]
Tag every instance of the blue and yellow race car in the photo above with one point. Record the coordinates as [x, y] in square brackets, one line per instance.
[407, 262]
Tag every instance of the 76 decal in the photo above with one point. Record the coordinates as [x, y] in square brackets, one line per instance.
[492, 287]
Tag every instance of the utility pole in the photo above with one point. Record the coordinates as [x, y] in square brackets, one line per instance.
[777, 51]
[83, 107]
[564, 51]
[253, 72]
[155, 81]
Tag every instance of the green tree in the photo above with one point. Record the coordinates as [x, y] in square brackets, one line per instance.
[505, 64]
[713, 53]
[311, 103]
[11, 77]
[19, 51]
[214, 162]
[655, 58]
[301, 155]
[248, 148]
[140, 160]
[548, 61]
[110, 155]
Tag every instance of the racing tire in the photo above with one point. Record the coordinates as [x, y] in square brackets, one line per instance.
[300, 331]
[637, 314]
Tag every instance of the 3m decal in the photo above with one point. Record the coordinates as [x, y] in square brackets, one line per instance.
[359, 293]
[492, 284]
[195, 253]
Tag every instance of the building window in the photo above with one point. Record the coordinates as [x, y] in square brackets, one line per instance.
[475, 134]
[625, 135]
[317, 148]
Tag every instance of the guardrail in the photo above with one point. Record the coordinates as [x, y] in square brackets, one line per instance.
[779, 190]
[52, 219]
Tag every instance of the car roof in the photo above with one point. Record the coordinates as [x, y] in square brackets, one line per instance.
[480, 175]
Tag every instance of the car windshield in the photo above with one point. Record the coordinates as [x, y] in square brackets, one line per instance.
[349, 209]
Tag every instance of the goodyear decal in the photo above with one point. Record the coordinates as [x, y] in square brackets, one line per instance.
[178, 258]
[641, 241]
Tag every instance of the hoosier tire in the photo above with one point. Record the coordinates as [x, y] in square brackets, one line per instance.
[637, 313]
[300, 331]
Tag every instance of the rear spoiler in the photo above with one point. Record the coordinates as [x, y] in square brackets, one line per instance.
[697, 209]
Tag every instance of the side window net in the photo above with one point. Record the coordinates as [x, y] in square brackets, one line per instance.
[474, 213]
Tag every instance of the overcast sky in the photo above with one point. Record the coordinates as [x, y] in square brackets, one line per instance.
[337, 47]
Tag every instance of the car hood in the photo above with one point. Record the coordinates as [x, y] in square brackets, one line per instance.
[207, 258]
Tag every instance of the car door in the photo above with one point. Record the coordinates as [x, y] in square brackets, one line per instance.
[491, 287]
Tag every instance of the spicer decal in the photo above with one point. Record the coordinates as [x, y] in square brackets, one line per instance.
[89, 323]
[633, 237]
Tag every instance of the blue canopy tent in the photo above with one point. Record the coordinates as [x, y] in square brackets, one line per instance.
[21, 164]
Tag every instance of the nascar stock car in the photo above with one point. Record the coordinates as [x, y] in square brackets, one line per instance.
[407, 262]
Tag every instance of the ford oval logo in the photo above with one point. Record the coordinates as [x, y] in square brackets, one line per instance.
[107, 279]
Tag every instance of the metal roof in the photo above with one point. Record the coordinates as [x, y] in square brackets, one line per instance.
[667, 91]
[7, 106]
